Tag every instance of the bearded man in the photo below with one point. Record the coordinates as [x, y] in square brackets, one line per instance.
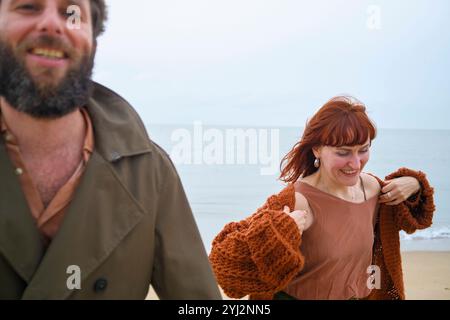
[90, 207]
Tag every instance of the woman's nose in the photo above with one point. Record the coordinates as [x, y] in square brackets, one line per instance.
[355, 162]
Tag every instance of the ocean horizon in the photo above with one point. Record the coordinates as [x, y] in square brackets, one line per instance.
[229, 171]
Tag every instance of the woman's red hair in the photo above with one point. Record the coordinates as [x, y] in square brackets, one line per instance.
[342, 121]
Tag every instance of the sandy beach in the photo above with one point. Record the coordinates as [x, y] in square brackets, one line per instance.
[426, 275]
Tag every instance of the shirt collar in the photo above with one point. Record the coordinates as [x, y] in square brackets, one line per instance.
[116, 129]
[88, 140]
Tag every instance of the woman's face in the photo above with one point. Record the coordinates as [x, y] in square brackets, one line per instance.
[343, 165]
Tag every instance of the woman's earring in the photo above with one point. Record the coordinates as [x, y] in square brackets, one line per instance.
[317, 163]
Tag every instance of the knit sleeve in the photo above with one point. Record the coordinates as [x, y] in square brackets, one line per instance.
[257, 256]
[416, 212]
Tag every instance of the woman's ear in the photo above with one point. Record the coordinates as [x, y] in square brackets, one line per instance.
[316, 151]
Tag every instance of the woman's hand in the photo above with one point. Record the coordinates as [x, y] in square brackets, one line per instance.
[299, 217]
[398, 190]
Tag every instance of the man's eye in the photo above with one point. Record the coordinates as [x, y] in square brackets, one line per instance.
[67, 13]
[364, 151]
[342, 154]
[27, 7]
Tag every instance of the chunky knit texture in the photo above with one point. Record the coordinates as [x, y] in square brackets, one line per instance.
[260, 255]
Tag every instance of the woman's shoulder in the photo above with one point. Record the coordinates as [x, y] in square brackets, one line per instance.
[371, 184]
[301, 203]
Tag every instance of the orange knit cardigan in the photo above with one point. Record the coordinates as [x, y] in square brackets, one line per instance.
[260, 255]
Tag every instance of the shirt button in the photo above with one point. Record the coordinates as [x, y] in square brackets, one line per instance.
[100, 285]
[19, 171]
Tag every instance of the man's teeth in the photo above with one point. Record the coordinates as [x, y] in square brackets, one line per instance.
[49, 53]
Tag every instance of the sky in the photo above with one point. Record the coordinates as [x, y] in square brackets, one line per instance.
[276, 62]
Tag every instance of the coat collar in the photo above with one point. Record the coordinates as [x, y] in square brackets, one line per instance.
[111, 116]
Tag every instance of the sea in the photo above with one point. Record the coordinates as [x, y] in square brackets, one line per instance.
[228, 172]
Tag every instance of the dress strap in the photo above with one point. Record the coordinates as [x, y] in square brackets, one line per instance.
[364, 190]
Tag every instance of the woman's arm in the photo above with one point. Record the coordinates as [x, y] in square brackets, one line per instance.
[400, 189]
[259, 255]
[416, 212]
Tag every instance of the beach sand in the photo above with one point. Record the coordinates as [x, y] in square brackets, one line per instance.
[426, 276]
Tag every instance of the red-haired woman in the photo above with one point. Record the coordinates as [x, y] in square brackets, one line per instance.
[333, 232]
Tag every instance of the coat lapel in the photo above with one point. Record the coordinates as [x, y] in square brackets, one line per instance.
[20, 241]
[101, 214]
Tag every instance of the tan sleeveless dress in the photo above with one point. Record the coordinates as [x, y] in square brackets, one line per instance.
[337, 247]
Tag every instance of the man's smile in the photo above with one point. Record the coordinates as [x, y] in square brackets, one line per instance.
[47, 57]
[49, 53]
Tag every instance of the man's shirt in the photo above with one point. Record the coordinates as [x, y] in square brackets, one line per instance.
[48, 219]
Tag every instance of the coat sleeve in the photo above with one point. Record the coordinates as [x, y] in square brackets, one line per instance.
[181, 268]
[416, 212]
[257, 256]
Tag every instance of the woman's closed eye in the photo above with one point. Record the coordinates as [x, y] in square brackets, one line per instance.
[346, 153]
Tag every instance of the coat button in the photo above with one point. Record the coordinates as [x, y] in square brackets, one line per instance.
[100, 285]
[115, 156]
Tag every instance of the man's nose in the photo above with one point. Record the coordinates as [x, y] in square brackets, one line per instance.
[51, 22]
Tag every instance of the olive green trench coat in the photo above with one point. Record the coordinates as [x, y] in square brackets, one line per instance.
[129, 224]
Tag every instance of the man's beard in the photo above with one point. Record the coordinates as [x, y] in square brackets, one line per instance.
[50, 101]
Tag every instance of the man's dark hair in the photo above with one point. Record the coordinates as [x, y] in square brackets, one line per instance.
[99, 15]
